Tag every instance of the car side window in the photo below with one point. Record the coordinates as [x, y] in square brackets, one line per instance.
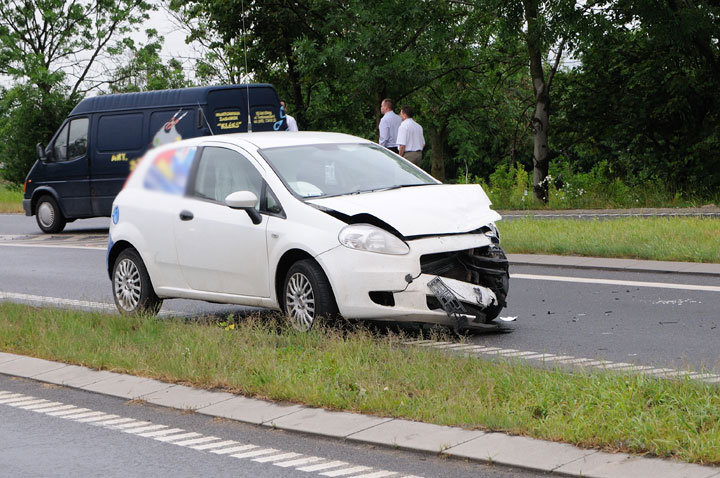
[223, 171]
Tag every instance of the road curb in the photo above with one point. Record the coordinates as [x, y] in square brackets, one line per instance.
[484, 447]
[609, 264]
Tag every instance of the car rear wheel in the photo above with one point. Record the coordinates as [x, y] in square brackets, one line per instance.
[307, 295]
[48, 215]
[132, 290]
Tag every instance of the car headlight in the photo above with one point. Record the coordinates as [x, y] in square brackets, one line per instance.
[492, 232]
[366, 237]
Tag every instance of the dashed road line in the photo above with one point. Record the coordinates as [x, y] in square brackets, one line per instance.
[628, 283]
[569, 360]
[195, 441]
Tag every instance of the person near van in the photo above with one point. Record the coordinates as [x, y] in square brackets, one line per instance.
[389, 124]
[410, 137]
[291, 123]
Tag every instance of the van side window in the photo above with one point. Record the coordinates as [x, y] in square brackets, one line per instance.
[60, 146]
[222, 171]
[77, 141]
[72, 144]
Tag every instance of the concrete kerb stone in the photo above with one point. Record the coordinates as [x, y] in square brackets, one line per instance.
[631, 265]
[519, 451]
[416, 436]
[186, 398]
[29, 367]
[620, 465]
[249, 410]
[6, 357]
[127, 386]
[323, 422]
[73, 376]
[455, 442]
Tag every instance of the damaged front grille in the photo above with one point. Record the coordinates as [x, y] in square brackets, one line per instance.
[486, 266]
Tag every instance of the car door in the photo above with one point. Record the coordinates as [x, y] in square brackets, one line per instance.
[219, 249]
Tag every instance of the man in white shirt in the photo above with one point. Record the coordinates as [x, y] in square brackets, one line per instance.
[289, 120]
[410, 137]
[389, 124]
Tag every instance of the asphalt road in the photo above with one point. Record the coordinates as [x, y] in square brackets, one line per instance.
[640, 324]
[35, 444]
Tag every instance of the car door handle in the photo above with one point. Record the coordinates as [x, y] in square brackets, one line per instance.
[186, 215]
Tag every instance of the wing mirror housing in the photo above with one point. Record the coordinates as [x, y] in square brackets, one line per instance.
[245, 200]
[41, 152]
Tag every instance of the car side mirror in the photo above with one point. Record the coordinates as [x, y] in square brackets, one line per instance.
[41, 152]
[245, 200]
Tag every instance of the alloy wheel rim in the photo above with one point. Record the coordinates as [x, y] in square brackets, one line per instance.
[300, 302]
[127, 285]
[46, 214]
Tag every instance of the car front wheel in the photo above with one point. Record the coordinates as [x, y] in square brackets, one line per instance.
[132, 290]
[48, 215]
[307, 295]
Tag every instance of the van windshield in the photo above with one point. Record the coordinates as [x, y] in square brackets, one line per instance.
[323, 170]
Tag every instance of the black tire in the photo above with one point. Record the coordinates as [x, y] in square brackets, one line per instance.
[48, 215]
[307, 295]
[491, 313]
[132, 290]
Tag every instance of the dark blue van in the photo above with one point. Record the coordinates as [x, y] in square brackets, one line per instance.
[87, 161]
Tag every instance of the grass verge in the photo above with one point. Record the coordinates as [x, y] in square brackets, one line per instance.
[655, 238]
[10, 198]
[357, 371]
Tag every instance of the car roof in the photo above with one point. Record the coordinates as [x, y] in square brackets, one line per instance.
[276, 139]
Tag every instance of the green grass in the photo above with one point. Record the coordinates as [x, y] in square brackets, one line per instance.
[357, 371]
[658, 238]
[11, 197]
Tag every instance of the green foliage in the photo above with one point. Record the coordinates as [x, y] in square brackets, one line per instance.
[28, 116]
[145, 69]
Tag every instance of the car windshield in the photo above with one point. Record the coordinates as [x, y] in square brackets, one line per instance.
[322, 170]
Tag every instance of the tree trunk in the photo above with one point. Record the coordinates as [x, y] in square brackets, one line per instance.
[299, 106]
[540, 119]
[438, 139]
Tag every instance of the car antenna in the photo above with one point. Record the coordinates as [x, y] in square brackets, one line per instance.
[202, 113]
[247, 84]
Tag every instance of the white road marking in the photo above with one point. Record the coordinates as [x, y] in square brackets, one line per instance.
[54, 246]
[249, 454]
[305, 461]
[280, 457]
[181, 436]
[377, 474]
[160, 433]
[55, 301]
[629, 283]
[147, 428]
[195, 441]
[225, 451]
[323, 466]
[192, 440]
[346, 471]
[579, 362]
[208, 446]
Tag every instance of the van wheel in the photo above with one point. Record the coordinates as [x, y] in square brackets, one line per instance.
[132, 290]
[307, 295]
[48, 215]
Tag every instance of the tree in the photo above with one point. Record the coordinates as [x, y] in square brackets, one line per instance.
[145, 70]
[53, 52]
[646, 99]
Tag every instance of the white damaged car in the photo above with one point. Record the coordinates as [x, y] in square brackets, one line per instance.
[310, 223]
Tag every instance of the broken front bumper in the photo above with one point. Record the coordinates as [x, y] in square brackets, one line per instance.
[387, 287]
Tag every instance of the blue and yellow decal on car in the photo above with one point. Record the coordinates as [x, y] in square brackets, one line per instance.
[169, 171]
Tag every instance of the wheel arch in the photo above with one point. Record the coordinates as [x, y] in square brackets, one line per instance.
[289, 258]
[45, 191]
[115, 251]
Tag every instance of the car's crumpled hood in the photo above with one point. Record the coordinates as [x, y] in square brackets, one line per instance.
[420, 210]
